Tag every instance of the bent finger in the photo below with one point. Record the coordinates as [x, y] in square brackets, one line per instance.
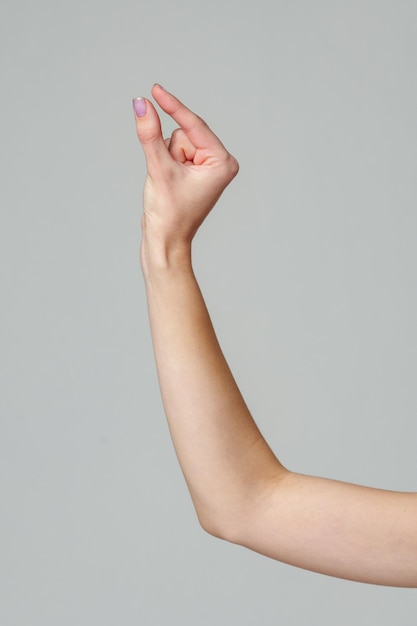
[180, 147]
[194, 127]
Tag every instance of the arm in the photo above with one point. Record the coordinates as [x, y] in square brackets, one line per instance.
[240, 490]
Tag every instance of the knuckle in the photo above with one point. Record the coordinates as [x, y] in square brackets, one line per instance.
[232, 166]
[148, 135]
[199, 120]
[177, 134]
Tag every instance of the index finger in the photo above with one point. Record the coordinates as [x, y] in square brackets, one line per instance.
[194, 127]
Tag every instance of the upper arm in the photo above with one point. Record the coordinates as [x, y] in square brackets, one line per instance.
[336, 528]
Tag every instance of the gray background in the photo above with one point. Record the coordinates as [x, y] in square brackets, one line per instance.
[307, 264]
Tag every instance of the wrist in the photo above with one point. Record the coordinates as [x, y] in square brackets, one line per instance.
[160, 254]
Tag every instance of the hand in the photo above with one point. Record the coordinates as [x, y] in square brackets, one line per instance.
[187, 173]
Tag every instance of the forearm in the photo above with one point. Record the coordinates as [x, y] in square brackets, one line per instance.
[240, 490]
[225, 460]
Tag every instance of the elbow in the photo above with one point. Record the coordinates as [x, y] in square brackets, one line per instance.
[220, 522]
[211, 524]
[231, 526]
[237, 520]
[216, 528]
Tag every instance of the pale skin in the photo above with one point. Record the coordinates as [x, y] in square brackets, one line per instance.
[240, 490]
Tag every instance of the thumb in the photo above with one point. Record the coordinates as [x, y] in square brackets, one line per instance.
[148, 128]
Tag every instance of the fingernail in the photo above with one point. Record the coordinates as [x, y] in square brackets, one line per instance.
[159, 85]
[139, 104]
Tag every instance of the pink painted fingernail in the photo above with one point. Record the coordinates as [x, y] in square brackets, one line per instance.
[139, 104]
